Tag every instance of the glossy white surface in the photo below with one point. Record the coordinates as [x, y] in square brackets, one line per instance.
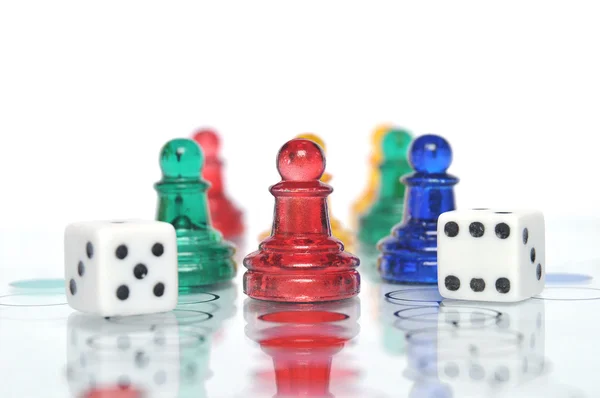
[394, 341]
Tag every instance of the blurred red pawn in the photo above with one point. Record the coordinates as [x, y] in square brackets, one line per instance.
[225, 216]
[116, 392]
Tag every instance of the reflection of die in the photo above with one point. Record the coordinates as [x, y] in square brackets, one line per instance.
[491, 255]
[505, 352]
[121, 268]
[527, 318]
[483, 358]
[141, 352]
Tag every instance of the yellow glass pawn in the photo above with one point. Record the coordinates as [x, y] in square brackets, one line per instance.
[337, 229]
[366, 199]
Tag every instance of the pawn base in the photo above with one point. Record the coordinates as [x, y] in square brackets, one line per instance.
[204, 263]
[408, 267]
[192, 276]
[304, 287]
[409, 255]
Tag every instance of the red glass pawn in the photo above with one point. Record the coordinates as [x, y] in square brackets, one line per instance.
[301, 261]
[225, 216]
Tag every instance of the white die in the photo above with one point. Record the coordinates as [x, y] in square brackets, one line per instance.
[491, 255]
[121, 268]
[139, 352]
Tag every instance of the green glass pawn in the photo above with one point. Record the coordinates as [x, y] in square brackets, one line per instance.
[204, 257]
[388, 207]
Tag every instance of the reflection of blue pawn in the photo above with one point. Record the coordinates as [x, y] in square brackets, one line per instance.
[409, 254]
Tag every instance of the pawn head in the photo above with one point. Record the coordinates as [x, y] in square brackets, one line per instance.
[300, 160]
[181, 158]
[209, 142]
[430, 154]
[314, 138]
[395, 145]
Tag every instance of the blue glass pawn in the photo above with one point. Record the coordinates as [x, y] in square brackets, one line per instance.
[409, 254]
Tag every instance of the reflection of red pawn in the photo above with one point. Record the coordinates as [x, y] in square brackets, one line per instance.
[301, 261]
[302, 359]
[116, 392]
[224, 215]
[302, 340]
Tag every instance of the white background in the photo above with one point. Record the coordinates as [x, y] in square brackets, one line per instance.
[89, 92]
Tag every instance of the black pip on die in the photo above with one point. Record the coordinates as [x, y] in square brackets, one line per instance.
[491, 255]
[121, 268]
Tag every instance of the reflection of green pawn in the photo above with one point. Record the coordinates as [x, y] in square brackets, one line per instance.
[196, 336]
[204, 257]
[388, 206]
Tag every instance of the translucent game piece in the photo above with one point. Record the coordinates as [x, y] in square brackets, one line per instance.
[204, 257]
[225, 216]
[337, 229]
[301, 261]
[409, 254]
[365, 200]
[388, 207]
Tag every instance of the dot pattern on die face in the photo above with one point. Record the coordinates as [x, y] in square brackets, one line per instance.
[476, 229]
[503, 285]
[159, 289]
[123, 292]
[502, 230]
[158, 249]
[451, 229]
[80, 268]
[121, 252]
[452, 283]
[538, 271]
[532, 255]
[89, 250]
[477, 285]
[140, 271]
[525, 236]
[73, 287]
